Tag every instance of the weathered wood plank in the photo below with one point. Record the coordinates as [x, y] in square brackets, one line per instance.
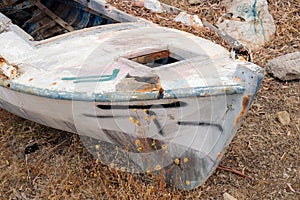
[53, 16]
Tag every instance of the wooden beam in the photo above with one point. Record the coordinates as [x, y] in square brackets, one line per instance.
[7, 3]
[53, 16]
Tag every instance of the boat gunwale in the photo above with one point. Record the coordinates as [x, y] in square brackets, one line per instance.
[124, 96]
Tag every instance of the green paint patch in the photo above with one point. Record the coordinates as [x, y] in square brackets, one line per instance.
[89, 79]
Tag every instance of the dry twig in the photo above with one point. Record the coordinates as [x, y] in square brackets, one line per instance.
[234, 171]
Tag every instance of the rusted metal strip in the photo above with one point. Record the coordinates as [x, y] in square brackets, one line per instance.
[53, 16]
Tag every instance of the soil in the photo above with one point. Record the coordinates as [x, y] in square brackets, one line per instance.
[37, 162]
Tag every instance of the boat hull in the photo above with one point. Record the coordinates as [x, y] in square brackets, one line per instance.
[184, 138]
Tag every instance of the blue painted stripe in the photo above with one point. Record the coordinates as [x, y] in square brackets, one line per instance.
[125, 96]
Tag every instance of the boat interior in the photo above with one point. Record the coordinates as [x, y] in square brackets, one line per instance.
[44, 19]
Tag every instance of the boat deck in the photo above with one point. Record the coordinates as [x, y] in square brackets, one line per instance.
[124, 59]
[132, 60]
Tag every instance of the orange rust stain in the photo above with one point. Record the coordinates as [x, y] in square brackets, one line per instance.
[237, 78]
[227, 89]
[2, 61]
[151, 57]
[54, 83]
[13, 73]
[2, 76]
[245, 103]
[150, 88]
[161, 90]
[242, 58]
[30, 79]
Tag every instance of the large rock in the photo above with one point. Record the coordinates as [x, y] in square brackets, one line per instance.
[248, 21]
[286, 67]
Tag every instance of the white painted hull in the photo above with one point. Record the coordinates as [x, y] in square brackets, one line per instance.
[199, 130]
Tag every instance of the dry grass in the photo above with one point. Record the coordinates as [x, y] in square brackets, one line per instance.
[62, 168]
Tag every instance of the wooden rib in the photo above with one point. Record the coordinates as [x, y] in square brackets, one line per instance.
[37, 15]
[40, 30]
[53, 16]
[53, 31]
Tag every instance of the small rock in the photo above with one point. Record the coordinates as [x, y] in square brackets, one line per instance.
[138, 3]
[285, 175]
[154, 5]
[283, 117]
[286, 67]
[193, 2]
[189, 20]
[227, 196]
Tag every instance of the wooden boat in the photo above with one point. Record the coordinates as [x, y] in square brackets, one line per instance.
[161, 98]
